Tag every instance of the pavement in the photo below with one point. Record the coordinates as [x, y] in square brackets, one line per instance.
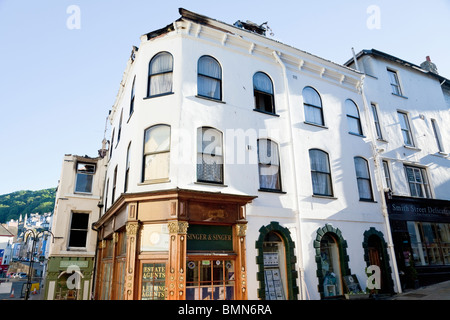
[438, 291]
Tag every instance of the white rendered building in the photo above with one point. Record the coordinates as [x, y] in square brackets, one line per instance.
[409, 121]
[240, 168]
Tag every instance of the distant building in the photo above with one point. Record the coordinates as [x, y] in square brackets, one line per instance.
[71, 255]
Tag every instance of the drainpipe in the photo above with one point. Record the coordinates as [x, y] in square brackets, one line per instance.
[296, 201]
[378, 180]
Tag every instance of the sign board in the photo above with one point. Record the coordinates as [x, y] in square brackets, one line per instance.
[352, 284]
[209, 238]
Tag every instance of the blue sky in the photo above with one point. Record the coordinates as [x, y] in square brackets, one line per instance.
[57, 84]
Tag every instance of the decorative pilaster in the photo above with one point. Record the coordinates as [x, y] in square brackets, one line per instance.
[241, 265]
[176, 282]
[132, 229]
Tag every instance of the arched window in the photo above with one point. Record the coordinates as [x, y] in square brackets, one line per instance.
[320, 172]
[269, 165]
[160, 74]
[354, 123]
[209, 155]
[209, 81]
[156, 153]
[331, 267]
[363, 179]
[277, 273]
[263, 92]
[132, 97]
[127, 168]
[313, 106]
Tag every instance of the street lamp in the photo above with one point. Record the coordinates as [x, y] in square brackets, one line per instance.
[35, 236]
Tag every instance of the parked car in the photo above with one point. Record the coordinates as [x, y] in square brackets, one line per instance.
[22, 275]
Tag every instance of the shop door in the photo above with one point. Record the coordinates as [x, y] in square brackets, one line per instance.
[211, 278]
[375, 258]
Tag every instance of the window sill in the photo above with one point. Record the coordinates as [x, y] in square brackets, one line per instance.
[266, 112]
[324, 197]
[382, 140]
[271, 191]
[210, 99]
[79, 249]
[154, 181]
[315, 124]
[440, 154]
[368, 200]
[357, 134]
[159, 95]
[213, 184]
[399, 95]
[412, 148]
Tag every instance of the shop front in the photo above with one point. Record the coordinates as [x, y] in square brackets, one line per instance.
[173, 245]
[421, 234]
[69, 278]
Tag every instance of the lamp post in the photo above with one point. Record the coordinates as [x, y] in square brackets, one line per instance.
[35, 237]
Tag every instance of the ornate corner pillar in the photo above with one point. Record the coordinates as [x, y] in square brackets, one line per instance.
[132, 229]
[241, 265]
[176, 282]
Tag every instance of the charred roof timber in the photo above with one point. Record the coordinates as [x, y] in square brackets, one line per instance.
[251, 26]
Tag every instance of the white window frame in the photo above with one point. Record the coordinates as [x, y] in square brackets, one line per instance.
[408, 129]
[395, 84]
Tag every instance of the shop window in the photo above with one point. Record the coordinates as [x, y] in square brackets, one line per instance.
[430, 243]
[263, 92]
[274, 267]
[331, 269]
[276, 261]
[211, 279]
[269, 165]
[156, 153]
[209, 155]
[153, 283]
[85, 177]
[120, 266]
[106, 270]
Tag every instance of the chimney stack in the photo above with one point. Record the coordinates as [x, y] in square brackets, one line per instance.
[429, 66]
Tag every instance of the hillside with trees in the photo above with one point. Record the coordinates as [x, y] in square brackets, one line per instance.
[12, 205]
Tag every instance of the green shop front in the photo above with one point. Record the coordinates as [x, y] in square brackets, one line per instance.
[69, 278]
